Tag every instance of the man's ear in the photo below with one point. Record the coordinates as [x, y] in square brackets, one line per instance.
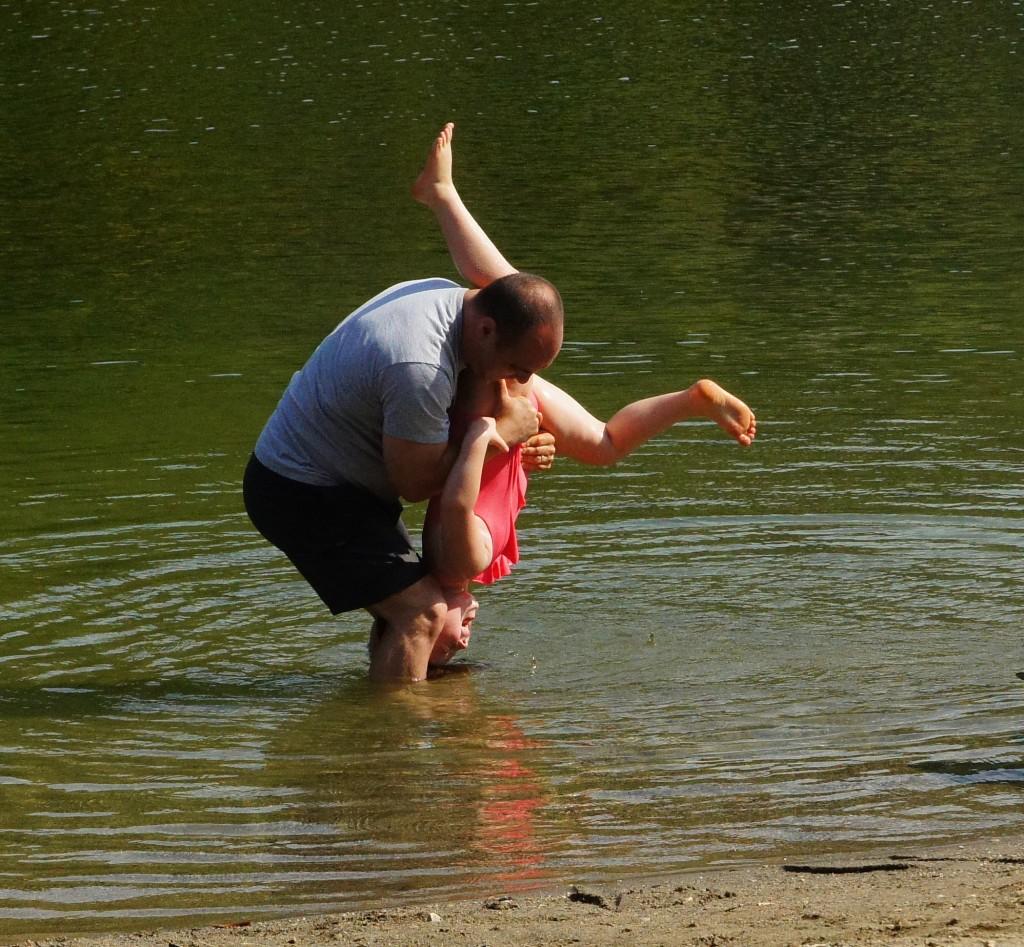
[486, 326]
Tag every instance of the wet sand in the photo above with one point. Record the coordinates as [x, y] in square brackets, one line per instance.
[963, 895]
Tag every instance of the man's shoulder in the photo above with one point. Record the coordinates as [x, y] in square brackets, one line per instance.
[410, 322]
[401, 292]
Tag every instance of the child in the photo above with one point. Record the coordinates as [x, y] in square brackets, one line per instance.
[469, 531]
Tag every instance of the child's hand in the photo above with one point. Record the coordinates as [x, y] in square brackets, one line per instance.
[486, 429]
[518, 418]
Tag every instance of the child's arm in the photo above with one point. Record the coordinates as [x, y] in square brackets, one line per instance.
[460, 544]
[585, 438]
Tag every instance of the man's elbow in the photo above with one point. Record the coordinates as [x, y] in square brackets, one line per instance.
[416, 489]
[416, 494]
[416, 471]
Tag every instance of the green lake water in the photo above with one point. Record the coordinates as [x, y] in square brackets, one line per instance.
[708, 655]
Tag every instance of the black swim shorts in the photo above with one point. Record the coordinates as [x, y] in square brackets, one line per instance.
[349, 544]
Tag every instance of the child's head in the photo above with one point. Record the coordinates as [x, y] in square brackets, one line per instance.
[454, 637]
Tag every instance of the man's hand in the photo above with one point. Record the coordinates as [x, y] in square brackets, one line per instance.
[539, 452]
[517, 419]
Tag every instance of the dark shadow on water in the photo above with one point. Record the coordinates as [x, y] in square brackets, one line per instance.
[31, 700]
[970, 772]
[438, 671]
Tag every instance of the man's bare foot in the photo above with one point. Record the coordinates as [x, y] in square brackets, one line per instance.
[434, 183]
[727, 411]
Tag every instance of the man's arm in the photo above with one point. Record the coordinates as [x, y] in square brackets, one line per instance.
[418, 471]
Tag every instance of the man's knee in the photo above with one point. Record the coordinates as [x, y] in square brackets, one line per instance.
[418, 610]
[428, 621]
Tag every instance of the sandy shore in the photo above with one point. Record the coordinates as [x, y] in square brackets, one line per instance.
[962, 895]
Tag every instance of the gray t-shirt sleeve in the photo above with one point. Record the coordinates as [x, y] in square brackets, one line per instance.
[415, 401]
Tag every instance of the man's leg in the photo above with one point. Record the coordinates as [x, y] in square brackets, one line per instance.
[475, 256]
[407, 624]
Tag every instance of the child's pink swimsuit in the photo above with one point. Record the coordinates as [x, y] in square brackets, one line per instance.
[502, 496]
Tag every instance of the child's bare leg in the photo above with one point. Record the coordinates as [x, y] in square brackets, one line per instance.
[638, 422]
[460, 544]
[582, 436]
[472, 251]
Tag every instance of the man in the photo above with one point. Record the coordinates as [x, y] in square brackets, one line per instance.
[364, 424]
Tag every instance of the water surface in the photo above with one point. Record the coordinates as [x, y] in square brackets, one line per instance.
[708, 655]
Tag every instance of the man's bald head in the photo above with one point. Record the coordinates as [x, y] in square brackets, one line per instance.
[519, 304]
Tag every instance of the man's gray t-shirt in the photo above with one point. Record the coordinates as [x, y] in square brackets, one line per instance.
[390, 368]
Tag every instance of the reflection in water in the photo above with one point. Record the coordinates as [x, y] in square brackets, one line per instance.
[433, 774]
[362, 796]
[508, 831]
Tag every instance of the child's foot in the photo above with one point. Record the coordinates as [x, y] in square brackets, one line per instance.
[434, 183]
[727, 411]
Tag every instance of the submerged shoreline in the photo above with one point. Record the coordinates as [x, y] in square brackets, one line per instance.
[930, 895]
